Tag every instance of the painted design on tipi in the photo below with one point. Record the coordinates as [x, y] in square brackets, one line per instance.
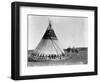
[49, 47]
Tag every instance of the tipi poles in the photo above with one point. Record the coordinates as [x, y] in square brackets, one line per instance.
[58, 47]
[54, 46]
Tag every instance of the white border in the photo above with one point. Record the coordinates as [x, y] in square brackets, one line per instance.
[24, 70]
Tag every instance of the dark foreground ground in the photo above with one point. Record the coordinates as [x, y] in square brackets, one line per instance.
[75, 58]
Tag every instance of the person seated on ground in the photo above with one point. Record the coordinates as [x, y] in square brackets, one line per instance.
[76, 50]
[68, 49]
[52, 56]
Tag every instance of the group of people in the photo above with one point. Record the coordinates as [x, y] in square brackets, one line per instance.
[50, 56]
[73, 50]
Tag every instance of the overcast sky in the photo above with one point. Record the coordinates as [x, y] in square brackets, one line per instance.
[70, 31]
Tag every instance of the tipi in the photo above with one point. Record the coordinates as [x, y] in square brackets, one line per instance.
[49, 47]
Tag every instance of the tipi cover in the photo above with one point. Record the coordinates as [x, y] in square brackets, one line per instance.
[49, 44]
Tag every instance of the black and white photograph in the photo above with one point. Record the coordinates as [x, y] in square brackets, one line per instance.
[57, 40]
[53, 40]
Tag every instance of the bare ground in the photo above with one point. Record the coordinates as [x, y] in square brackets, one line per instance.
[74, 59]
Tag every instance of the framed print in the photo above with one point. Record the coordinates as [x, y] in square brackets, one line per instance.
[53, 40]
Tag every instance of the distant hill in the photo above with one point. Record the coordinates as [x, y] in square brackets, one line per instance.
[78, 48]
